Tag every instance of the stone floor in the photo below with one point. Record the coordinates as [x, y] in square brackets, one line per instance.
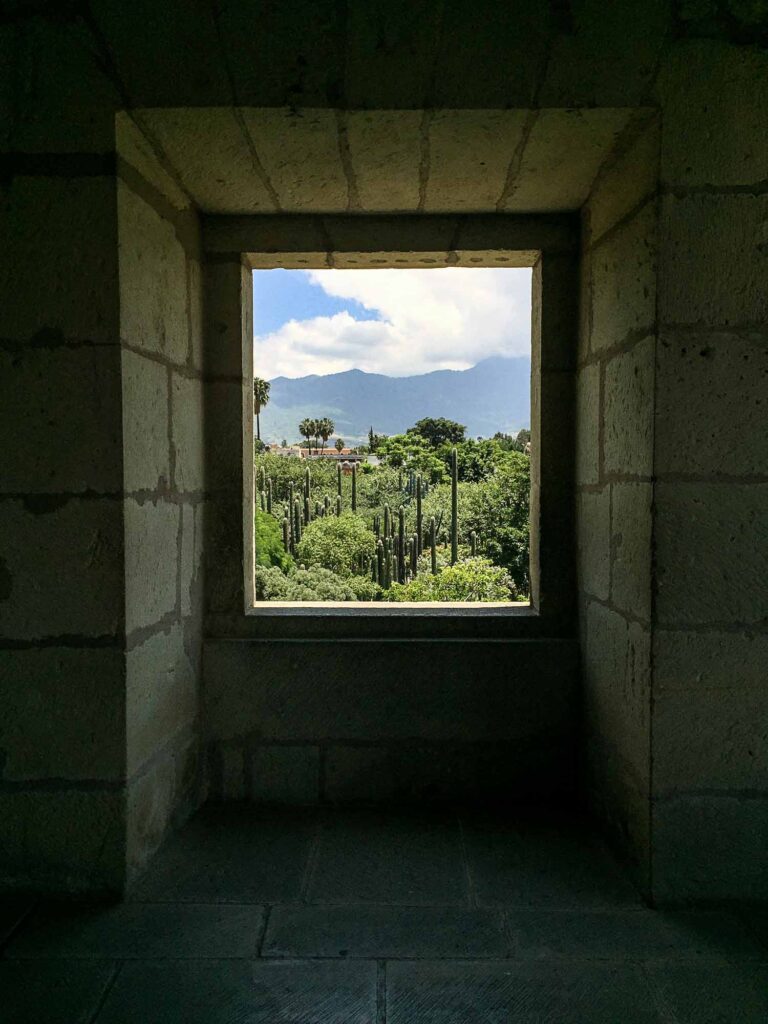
[378, 918]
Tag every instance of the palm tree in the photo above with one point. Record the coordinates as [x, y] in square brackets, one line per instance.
[260, 399]
[339, 444]
[325, 428]
[316, 433]
[306, 428]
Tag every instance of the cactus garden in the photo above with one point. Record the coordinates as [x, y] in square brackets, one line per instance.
[424, 516]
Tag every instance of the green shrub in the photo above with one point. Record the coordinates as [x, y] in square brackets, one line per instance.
[315, 584]
[365, 589]
[337, 543]
[475, 579]
[268, 541]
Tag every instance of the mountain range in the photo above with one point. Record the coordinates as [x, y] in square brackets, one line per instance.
[493, 395]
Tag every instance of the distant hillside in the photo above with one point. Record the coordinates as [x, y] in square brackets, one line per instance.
[493, 395]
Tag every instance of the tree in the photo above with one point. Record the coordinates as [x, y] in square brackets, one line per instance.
[307, 429]
[439, 431]
[474, 579]
[284, 443]
[325, 428]
[260, 399]
[339, 543]
[339, 446]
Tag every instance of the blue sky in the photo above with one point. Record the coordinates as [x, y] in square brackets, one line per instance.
[395, 322]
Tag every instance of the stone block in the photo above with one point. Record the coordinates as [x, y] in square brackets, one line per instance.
[151, 561]
[67, 840]
[710, 847]
[285, 775]
[300, 154]
[258, 991]
[616, 681]
[562, 155]
[714, 260]
[593, 533]
[153, 280]
[187, 433]
[710, 739]
[61, 231]
[138, 931]
[588, 425]
[711, 553]
[161, 797]
[228, 295]
[361, 931]
[50, 549]
[64, 714]
[136, 150]
[631, 526]
[213, 156]
[161, 694]
[559, 310]
[146, 449]
[453, 992]
[626, 180]
[385, 152]
[196, 314]
[60, 417]
[624, 282]
[469, 154]
[306, 690]
[715, 101]
[711, 660]
[710, 374]
[191, 560]
[628, 411]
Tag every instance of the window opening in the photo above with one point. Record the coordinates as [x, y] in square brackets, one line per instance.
[392, 435]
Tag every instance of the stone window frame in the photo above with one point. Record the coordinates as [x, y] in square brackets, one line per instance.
[236, 245]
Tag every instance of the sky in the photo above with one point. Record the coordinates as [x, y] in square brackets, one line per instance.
[395, 322]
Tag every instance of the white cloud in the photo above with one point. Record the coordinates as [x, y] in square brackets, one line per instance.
[448, 318]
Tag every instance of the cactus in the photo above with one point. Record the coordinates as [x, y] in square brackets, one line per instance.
[338, 504]
[380, 563]
[307, 484]
[338, 478]
[414, 555]
[473, 543]
[401, 545]
[262, 479]
[386, 521]
[377, 525]
[419, 522]
[307, 511]
[318, 510]
[263, 500]
[326, 505]
[454, 506]
[290, 493]
[433, 544]
[400, 480]
[286, 536]
[354, 487]
[269, 494]
[296, 520]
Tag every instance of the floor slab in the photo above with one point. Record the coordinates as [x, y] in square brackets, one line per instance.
[711, 994]
[52, 991]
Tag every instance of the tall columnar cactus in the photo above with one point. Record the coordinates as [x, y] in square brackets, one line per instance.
[377, 525]
[286, 535]
[290, 493]
[307, 511]
[386, 521]
[354, 487]
[473, 543]
[296, 519]
[419, 521]
[433, 543]
[318, 510]
[401, 544]
[307, 484]
[338, 478]
[380, 563]
[338, 504]
[269, 495]
[414, 555]
[263, 501]
[262, 479]
[327, 505]
[454, 506]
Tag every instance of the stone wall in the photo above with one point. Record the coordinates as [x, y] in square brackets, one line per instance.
[162, 399]
[614, 467]
[391, 721]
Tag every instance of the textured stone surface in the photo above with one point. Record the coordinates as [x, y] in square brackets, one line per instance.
[285, 775]
[712, 552]
[359, 931]
[626, 179]
[64, 713]
[631, 519]
[628, 411]
[54, 991]
[232, 855]
[217, 992]
[151, 568]
[711, 994]
[452, 993]
[594, 541]
[588, 408]
[136, 931]
[146, 411]
[718, 660]
[701, 371]
[187, 432]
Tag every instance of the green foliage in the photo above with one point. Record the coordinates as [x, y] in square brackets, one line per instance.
[440, 431]
[338, 543]
[412, 452]
[268, 540]
[313, 584]
[475, 579]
